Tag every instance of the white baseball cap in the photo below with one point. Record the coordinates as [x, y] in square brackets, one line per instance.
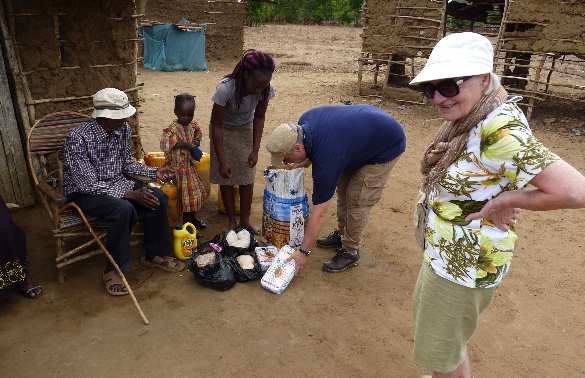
[112, 103]
[458, 55]
[281, 141]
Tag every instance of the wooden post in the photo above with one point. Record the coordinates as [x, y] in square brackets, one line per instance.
[360, 68]
[14, 181]
[502, 30]
[15, 185]
[412, 68]
[141, 6]
[16, 73]
[25, 87]
[443, 20]
[531, 101]
[376, 73]
[552, 68]
[387, 81]
[138, 149]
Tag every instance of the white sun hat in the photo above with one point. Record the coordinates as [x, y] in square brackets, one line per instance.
[112, 103]
[458, 55]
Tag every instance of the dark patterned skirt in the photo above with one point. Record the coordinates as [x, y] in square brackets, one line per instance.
[12, 250]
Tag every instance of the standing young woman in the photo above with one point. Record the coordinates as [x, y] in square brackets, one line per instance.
[475, 174]
[237, 122]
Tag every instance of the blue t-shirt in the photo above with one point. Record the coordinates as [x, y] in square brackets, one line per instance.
[341, 138]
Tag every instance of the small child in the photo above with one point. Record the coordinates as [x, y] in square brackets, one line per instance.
[180, 143]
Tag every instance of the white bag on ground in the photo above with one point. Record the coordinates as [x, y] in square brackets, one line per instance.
[265, 256]
[281, 272]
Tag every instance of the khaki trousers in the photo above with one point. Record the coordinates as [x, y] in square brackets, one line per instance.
[357, 192]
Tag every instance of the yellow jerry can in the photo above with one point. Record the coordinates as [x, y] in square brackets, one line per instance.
[185, 241]
[203, 166]
[155, 159]
[170, 189]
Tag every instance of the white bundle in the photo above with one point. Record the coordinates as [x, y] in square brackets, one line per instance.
[205, 259]
[265, 256]
[246, 262]
[241, 239]
[280, 274]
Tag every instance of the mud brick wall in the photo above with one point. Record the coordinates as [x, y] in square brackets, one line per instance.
[559, 26]
[73, 48]
[386, 33]
[225, 34]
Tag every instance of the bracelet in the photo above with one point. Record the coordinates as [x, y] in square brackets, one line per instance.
[305, 252]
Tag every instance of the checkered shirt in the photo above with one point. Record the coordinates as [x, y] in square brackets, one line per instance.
[97, 163]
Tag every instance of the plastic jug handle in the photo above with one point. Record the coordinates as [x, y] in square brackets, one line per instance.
[188, 225]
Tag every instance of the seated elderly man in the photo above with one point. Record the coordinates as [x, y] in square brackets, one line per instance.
[97, 164]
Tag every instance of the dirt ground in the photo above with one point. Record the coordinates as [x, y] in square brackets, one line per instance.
[353, 324]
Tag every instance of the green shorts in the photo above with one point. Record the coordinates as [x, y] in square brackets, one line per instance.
[445, 316]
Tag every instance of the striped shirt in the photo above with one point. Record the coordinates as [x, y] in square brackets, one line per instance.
[97, 163]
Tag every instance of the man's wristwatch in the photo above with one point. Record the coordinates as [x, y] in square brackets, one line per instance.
[305, 252]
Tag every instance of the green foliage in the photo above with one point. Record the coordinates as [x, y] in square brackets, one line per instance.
[305, 11]
[458, 24]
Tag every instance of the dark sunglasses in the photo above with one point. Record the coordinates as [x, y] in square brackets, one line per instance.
[447, 88]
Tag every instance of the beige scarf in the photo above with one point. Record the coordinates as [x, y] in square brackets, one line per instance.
[448, 145]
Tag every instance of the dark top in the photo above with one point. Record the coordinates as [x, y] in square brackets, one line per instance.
[342, 138]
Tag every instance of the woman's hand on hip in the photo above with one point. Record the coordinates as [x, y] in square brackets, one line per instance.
[498, 212]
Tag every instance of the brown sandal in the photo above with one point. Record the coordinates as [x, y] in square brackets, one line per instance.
[114, 284]
[166, 263]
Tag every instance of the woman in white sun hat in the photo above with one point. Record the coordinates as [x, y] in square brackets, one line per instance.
[474, 175]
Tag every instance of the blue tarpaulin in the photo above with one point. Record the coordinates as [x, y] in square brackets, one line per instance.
[167, 48]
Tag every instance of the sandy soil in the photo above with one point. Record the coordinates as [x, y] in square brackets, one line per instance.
[354, 324]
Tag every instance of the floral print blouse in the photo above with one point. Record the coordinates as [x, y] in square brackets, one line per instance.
[501, 155]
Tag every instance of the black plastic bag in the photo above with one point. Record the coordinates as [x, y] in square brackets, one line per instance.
[245, 275]
[231, 254]
[218, 275]
[235, 251]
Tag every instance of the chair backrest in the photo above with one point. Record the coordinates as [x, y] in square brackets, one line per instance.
[48, 133]
[45, 144]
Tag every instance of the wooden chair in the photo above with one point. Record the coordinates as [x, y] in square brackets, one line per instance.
[45, 158]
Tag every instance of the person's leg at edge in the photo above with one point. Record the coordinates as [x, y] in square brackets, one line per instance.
[246, 194]
[229, 203]
[13, 239]
[333, 239]
[119, 215]
[363, 192]
[445, 317]
[157, 234]
[462, 371]
[342, 203]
